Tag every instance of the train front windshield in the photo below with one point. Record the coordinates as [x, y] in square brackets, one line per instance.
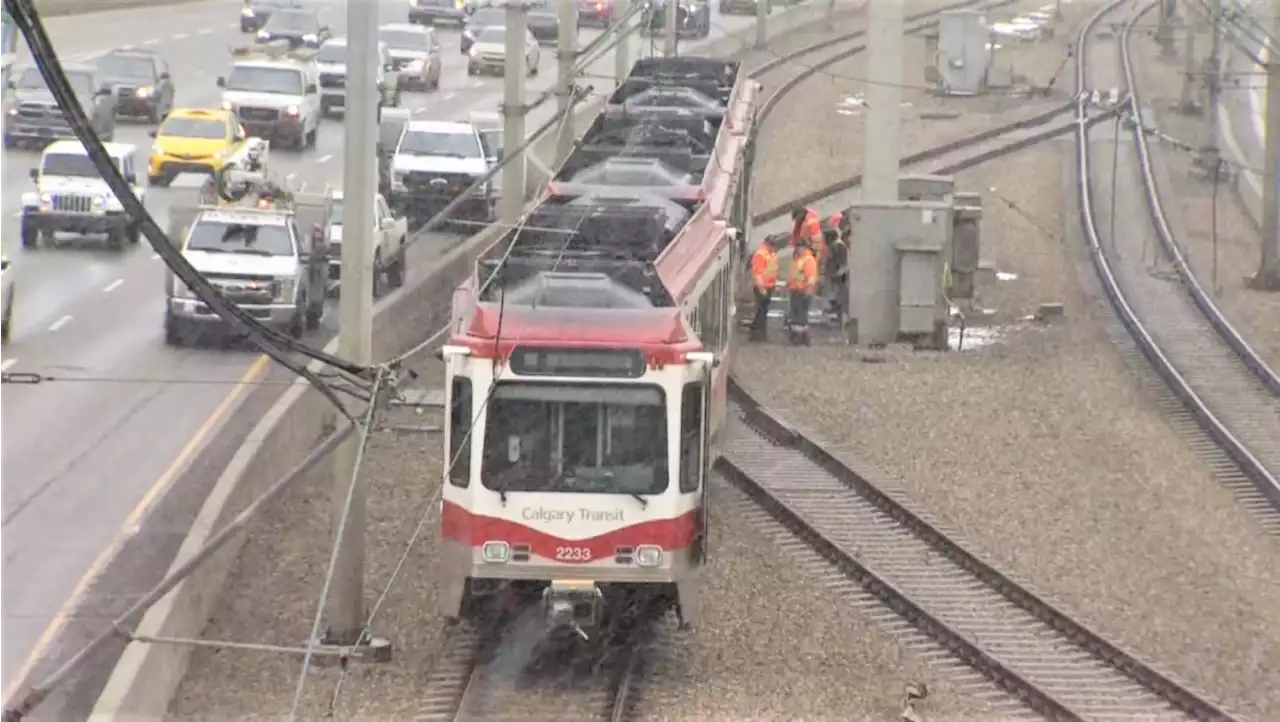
[589, 438]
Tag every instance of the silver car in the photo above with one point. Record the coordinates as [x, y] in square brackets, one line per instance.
[415, 54]
[489, 52]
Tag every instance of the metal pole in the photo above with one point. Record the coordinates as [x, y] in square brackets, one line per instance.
[762, 24]
[567, 55]
[1268, 277]
[622, 45]
[882, 142]
[513, 110]
[1189, 85]
[1214, 75]
[669, 38]
[345, 609]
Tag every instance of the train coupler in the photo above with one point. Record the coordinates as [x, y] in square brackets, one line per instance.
[575, 605]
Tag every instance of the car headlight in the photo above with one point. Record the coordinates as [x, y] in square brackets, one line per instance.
[226, 105]
[286, 289]
[416, 64]
[648, 556]
[246, 12]
[310, 38]
[99, 201]
[263, 35]
[13, 111]
[46, 198]
[144, 91]
[495, 552]
[473, 52]
[291, 110]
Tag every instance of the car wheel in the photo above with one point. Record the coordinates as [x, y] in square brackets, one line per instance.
[5, 327]
[315, 313]
[30, 234]
[173, 331]
[133, 234]
[395, 271]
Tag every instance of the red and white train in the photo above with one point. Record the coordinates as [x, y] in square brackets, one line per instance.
[588, 363]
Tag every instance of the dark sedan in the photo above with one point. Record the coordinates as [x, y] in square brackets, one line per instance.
[140, 79]
[544, 23]
[298, 26]
[438, 12]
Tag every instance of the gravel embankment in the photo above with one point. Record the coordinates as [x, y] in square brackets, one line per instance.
[1098, 502]
[278, 576]
[1253, 313]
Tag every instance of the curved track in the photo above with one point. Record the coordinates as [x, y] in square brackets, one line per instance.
[1228, 399]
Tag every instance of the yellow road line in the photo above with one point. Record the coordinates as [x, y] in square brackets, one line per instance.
[60, 619]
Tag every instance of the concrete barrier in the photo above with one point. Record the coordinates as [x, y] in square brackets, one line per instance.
[146, 675]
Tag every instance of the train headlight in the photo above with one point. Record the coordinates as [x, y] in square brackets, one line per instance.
[495, 552]
[648, 556]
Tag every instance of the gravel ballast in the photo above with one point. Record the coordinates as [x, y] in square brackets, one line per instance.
[1045, 450]
[799, 640]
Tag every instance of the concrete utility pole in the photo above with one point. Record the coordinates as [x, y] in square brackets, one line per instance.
[882, 142]
[567, 55]
[1213, 72]
[671, 37]
[762, 24]
[513, 111]
[1268, 277]
[622, 46]
[355, 309]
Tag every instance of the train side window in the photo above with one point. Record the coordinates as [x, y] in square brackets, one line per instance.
[460, 418]
[691, 438]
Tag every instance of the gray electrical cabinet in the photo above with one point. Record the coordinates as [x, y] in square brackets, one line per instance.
[896, 287]
[963, 55]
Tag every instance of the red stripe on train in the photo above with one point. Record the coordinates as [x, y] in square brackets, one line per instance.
[460, 525]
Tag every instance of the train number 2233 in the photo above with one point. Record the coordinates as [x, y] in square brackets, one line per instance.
[573, 554]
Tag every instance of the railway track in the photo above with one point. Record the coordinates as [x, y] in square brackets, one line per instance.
[465, 684]
[956, 605]
[1222, 397]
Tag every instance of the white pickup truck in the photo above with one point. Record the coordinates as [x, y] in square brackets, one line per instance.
[390, 234]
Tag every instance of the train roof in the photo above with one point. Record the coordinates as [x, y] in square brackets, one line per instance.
[629, 223]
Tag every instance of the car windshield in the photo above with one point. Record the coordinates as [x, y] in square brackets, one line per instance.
[589, 438]
[332, 53]
[492, 142]
[193, 128]
[265, 80]
[495, 34]
[30, 79]
[403, 39]
[487, 16]
[447, 145]
[335, 212]
[70, 165]
[81, 83]
[229, 237]
[292, 22]
[127, 66]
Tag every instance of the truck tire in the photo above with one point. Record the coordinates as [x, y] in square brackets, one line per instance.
[116, 238]
[172, 331]
[395, 271]
[311, 137]
[30, 234]
[315, 313]
[376, 284]
[6, 328]
[132, 233]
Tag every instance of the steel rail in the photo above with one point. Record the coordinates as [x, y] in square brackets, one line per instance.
[1126, 306]
[1005, 631]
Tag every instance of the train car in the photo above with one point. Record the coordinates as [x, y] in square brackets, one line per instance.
[588, 362]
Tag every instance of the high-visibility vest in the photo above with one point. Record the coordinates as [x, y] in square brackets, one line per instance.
[804, 273]
[810, 229]
[764, 268]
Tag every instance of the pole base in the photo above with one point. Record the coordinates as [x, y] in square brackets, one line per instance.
[374, 650]
[1268, 280]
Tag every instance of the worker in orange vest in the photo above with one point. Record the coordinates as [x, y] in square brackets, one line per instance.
[802, 284]
[806, 226]
[764, 277]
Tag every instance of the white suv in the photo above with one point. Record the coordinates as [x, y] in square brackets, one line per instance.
[72, 197]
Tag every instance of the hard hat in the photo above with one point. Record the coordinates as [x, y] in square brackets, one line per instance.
[798, 213]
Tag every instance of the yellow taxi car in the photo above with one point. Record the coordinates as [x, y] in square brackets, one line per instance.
[194, 141]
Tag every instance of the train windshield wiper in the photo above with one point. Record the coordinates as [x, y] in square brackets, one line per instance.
[644, 503]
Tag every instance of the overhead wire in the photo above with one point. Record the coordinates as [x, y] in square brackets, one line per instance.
[270, 341]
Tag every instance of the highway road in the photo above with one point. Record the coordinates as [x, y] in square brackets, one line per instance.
[83, 460]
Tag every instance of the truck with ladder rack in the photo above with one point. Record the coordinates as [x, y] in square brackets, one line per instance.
[243, 232]
[598, 338]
